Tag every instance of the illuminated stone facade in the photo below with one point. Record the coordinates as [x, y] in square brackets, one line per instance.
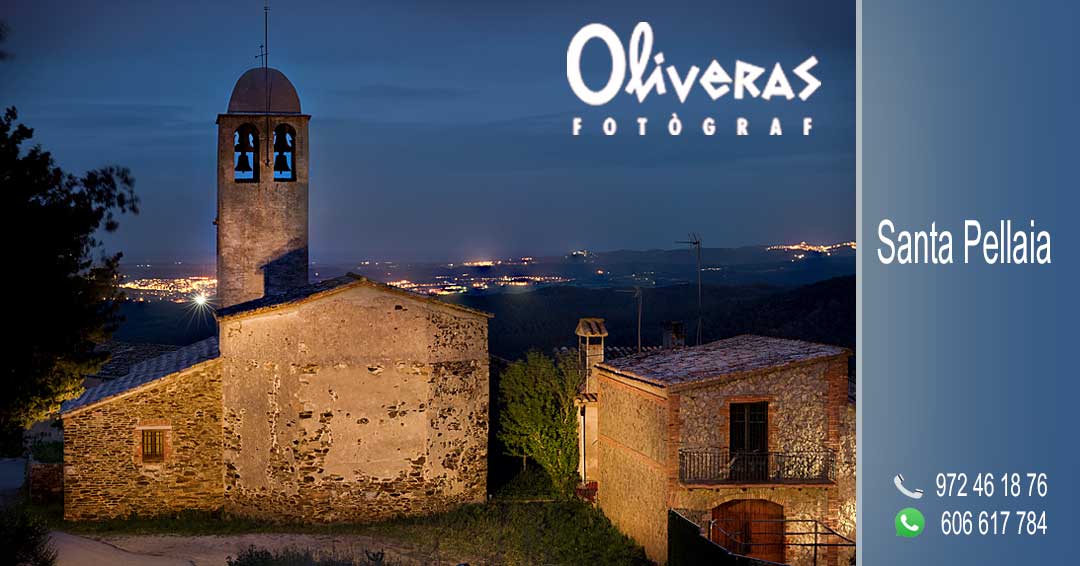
[342, 401]
[363, 404]
[650, 411]
[105, 475]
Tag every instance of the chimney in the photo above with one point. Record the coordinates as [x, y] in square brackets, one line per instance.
[591, 333]
[674, 334]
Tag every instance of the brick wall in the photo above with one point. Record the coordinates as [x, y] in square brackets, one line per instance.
[104, 475]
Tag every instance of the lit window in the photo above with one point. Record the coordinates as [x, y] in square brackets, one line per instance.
[245, 149]
[284, 153]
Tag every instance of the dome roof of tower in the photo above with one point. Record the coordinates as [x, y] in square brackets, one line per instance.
[249, 94]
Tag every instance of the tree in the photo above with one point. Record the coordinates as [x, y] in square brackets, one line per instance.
[537, 414]
[67, 300]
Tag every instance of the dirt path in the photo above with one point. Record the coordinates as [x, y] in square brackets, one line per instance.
[74, 550]
[213, 550]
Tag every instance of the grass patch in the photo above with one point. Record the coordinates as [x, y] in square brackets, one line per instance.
[562, 532]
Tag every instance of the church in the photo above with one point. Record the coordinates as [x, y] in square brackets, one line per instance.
[341, 400]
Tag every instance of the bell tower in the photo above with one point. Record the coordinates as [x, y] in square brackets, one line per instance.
[262, 189]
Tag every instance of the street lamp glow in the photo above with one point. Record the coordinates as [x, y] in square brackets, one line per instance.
[200, 299]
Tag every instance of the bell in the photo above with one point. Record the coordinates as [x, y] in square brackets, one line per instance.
[281, 163]
[243, 163]
[282, 141]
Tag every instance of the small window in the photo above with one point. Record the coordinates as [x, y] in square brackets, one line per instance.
[245, 150]
[153, 446]
[284, 153]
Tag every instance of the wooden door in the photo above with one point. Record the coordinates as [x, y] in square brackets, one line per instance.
[751, 527]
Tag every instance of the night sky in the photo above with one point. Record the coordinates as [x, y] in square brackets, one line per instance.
[442, 130]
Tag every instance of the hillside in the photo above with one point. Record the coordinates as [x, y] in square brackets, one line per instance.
[545, 319]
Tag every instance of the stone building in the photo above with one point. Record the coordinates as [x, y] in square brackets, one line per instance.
[344, 399]
[751, 437]
[262, 196]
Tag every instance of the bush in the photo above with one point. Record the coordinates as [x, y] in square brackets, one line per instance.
[252, 556]
[537, 415]
[532, 483]
[26, 537]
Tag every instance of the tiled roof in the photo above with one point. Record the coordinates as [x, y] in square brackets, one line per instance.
[313, 290]
[610, 352]
[145, 372]
[723, 357]
[613, 352]
[124, 355]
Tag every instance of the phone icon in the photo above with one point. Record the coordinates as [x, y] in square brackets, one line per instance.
[899, 482]
[909, 523]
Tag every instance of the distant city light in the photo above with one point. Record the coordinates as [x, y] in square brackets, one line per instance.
[176, 290]
[805, 247]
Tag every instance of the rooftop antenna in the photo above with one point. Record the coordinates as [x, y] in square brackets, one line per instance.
[264, 54]
[695, 242]
[637, 295]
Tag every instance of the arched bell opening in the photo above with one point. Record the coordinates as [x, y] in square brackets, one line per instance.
[245, 152]
[284, 153]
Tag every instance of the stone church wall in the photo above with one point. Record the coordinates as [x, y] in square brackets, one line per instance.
[104, 474]
[358, 406]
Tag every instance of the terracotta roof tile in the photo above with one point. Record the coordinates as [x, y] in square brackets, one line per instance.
[723, 357]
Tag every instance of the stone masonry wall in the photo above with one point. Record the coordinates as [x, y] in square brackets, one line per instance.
[642, 429]
[797, 409]
[632, 451]
[104, 475]
[802, 409]
[358, 406]
[845, 481]
[45, 481]
[262, 228]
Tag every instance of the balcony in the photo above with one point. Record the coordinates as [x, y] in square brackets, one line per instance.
[721, 466]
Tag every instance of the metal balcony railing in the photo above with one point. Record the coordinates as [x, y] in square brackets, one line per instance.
[719, 465]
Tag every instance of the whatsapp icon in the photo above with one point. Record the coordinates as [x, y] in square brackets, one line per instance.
[909, 522]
